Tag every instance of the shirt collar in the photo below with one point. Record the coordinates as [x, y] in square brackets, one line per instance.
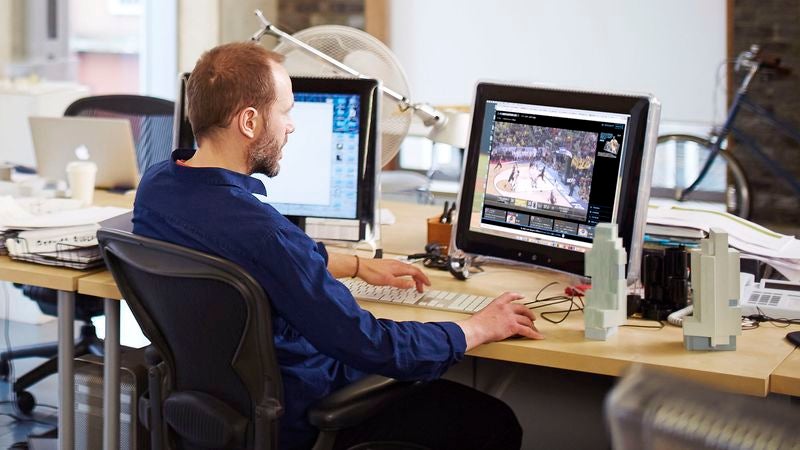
[213, 175]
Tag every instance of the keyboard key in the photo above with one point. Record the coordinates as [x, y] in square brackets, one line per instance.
[433, 299]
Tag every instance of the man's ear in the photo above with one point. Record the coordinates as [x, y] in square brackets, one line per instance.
[247, 121]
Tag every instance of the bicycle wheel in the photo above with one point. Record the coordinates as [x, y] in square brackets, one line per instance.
[678, 161]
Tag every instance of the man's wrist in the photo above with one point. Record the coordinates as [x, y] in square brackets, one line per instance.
[358, 267]
[472, 333]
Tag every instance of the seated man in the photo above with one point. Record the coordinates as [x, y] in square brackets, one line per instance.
[239, 99]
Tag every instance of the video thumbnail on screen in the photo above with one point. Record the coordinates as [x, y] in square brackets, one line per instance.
[546, 169]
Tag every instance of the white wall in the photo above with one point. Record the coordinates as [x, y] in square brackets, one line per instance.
[671, 49]
[203, 24]
[158, 57]
[198, 30]
[5, 33]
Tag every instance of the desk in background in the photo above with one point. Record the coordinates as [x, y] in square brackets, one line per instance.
[66, 282]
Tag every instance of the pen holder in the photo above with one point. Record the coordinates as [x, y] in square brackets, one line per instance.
[439, 233]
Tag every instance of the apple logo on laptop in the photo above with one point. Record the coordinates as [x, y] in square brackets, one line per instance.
[82, 153]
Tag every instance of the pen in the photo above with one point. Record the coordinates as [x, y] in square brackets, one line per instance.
[443, 217]
[449, 218]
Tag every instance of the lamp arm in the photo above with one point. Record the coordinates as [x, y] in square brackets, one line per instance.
[430, 116]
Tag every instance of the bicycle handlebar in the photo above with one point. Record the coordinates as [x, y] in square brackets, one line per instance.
[773, 63]
[764, 60]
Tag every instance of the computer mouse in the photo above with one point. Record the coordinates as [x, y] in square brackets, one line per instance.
[794, 337]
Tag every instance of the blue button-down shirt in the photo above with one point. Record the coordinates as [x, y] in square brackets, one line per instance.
[323, 339]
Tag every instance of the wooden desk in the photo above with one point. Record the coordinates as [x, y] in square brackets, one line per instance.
[65, 281]
[786, 378]
[746, 370]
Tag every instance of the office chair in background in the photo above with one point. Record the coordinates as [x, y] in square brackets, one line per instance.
[151, 124]
[219, 387]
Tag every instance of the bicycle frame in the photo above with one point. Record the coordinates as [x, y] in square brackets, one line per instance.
[742, 101]
[765, 159]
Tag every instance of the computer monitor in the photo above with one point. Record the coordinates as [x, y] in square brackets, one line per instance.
[544, 166]
[327, 174]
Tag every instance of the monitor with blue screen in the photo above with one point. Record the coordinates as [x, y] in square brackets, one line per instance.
[544, 166]
[327, 175]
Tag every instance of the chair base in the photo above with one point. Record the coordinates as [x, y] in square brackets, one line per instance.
[87, 343]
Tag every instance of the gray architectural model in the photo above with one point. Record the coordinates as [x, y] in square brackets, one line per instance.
[717, 316]
[606, 303]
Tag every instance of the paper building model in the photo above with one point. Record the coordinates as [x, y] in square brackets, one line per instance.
[717, 317]
[606, 302]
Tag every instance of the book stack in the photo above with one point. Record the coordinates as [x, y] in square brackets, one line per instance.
[782, 252]
[55, 232]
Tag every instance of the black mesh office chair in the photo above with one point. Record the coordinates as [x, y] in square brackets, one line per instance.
[214, 378]
[150, 117]
[151, 124]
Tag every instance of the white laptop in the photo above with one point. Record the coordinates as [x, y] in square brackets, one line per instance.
[106, 142]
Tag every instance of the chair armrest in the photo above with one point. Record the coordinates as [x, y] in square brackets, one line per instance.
[356, 402]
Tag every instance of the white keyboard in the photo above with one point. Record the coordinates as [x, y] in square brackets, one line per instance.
[433, 299]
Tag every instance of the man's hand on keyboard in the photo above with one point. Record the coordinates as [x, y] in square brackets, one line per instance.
[390, 272]
[500, 319]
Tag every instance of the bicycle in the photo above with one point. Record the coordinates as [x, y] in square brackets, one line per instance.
[717, 179]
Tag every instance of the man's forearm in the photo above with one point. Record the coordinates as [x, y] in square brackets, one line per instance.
[340, 265]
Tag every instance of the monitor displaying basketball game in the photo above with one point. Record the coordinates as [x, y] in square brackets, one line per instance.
[544, 166]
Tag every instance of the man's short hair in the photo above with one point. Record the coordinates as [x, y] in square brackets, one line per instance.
[227, 79]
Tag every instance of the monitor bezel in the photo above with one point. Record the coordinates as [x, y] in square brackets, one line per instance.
[368, 90]
[635, 173]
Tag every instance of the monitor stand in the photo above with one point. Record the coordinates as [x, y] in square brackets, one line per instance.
[461, 265]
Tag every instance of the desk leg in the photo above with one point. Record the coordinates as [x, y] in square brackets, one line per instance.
[66, 376]
[111, 377]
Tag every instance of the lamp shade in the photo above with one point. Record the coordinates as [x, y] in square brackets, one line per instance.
[453, 131]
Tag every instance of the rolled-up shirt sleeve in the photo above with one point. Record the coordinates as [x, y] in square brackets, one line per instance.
[322, 309]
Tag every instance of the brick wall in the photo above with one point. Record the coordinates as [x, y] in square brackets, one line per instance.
[775, 24]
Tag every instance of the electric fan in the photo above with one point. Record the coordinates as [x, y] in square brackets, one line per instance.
[339, 51]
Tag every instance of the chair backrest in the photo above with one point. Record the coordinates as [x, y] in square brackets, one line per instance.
[650, 409]
[211, 324]
[150, 117]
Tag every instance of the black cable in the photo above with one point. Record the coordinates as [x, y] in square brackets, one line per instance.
[24, 419]
[38, 405]
[780, 322]
[545, 287]
[537, 303]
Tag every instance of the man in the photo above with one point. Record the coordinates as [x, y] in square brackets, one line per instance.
[239, 101]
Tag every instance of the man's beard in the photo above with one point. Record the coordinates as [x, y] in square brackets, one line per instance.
[263, 155]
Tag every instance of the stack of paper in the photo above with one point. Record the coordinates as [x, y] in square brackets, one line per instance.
[778, 250]
[57, 232]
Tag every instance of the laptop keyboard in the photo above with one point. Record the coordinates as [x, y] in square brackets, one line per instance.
[432, 299]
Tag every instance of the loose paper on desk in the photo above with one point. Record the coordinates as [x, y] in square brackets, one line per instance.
[14, 216]
[779, 250]
[14, 208]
